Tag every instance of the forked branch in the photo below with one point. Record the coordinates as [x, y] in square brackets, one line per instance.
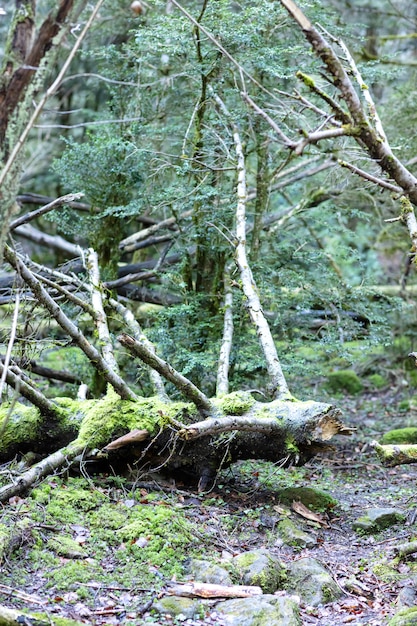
[277, 383]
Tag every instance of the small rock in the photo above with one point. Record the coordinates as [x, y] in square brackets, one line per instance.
[312, 582]
[267, 610]
[176, 606]
[291, 535]
[208, 572]
[407, 597]
[261, 568]
[377, 519]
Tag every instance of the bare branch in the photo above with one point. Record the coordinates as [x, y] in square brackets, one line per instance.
[100, 315]
[286, 140]
[12, 337]
[125, 244]
[364, 132]
[51, 241]
[370, 177]
[68, 326]
[35, 397]
[45, 467]
[222, 386]
[71, 197]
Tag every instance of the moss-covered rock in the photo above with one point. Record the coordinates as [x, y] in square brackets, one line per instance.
[344, 381]
[260, 568]
[266, 610]
[377, 381]
[405, 617]
[208, 572]
[291, 535]
[67, 547]
[309, 496]
[179, 607]
[312, 582]
[378, 519]
[400, 436]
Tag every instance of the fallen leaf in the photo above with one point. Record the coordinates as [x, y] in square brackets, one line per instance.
[302, 510]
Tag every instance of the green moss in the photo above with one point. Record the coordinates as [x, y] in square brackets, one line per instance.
[344, 380]
[311, 498]
[290, 445]
[112, 417]
[400, 436]
[22, 425]
[64, 502]
[387, 572]
[405, 617]
[307, 80]
[235, 403]
[377, 381]
[67, 547]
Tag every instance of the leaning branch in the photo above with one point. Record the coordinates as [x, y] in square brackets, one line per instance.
[28, 217]
[44, 468]
[136, 330]
[100, 317]
[182, 383]
[68, 326]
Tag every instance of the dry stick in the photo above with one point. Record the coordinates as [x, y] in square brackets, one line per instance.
[136, 330]
[100, 315]
[278, 384]
[49, 92]
[182, 383]
[68, 326]
[126, 244]
[373, 179]
[286, 140]
[222, 386]
[28, 217]
[51, 241]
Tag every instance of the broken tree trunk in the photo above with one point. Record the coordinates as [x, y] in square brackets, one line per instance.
[237, 427]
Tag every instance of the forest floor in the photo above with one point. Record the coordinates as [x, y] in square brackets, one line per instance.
[100, 548]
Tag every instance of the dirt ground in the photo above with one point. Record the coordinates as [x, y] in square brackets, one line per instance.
[239, 514]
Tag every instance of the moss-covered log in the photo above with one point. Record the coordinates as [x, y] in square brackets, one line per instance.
[238, 428]
[396, 454]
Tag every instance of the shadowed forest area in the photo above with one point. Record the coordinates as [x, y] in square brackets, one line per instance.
[208, 324]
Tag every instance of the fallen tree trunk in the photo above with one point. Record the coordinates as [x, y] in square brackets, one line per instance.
[171, 434]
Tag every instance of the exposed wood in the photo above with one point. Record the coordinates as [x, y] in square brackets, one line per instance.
[195, 589]
[133, 437]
